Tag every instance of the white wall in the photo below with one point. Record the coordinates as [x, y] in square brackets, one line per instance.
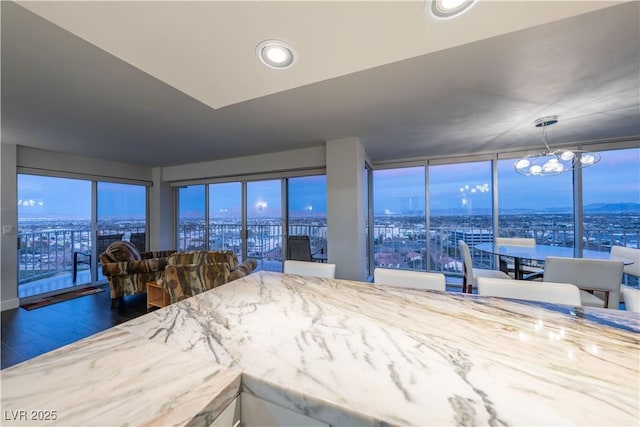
[307, 158]
[346, 208]
[54, 161]
[8, 218]
[162, 220]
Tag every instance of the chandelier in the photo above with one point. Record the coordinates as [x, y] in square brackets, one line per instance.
[554, 162]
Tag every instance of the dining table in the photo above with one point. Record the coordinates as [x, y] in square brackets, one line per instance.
[540, 253]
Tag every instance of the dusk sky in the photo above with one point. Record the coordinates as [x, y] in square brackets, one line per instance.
[615, 179]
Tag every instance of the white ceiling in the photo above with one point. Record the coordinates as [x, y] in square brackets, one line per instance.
[166, 83]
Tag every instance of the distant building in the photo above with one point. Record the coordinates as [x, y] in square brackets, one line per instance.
[471, 237]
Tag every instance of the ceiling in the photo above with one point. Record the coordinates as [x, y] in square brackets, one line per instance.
[168, 83]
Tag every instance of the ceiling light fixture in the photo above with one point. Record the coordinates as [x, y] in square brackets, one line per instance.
[554, 162]
[446, 9]
[276, 54]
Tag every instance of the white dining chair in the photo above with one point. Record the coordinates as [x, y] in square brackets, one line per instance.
[508, 267]
[309, 268]
[471, 274]
[631, 298]
[590, 275]
[556, 293]
[629, 269]
[409, 279]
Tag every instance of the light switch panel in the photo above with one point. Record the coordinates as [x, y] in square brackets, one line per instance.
[7, 229]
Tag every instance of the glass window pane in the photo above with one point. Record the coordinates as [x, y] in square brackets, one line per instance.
[535, 206]
[460, 208]
[308, 211]
[611, 200]
[54, 221]
[225, 217]
[122, 209]
[399, 218]
[264, 224]
[191, 218]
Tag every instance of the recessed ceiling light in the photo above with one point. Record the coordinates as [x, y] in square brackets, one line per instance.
[446, 9]
[276, 54]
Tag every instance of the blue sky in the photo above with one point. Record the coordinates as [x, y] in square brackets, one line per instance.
[615, 179]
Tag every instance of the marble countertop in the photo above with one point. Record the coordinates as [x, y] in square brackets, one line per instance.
[346, 353]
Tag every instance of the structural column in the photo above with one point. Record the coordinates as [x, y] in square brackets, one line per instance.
[346, 208]
[162, 235]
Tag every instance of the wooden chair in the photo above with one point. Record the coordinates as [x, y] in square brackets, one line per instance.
[409, 279]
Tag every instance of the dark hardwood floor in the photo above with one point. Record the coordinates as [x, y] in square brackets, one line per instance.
[27, 334]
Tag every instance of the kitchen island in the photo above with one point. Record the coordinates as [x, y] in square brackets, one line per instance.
[342, 353]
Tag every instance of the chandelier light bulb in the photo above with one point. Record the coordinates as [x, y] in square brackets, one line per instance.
[536, 169]
[587, 159]
[523, 164]
[567, 155]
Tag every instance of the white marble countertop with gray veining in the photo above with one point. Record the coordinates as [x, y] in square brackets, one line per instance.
[346, 353]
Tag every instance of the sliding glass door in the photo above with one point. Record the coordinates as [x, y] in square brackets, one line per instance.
[250, 217]
[54, 222]
[121, 215]
[264, 223]
[225, 217]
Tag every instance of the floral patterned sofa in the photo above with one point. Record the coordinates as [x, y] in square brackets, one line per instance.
[129, 271]
[190, 273]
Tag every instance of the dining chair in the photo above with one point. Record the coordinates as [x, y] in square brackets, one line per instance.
[84, 257]
[629, 269]
[631, 298]
[299, 249]
[409, 279]
[471, 274]
[139, 240]
[514, 241]
[590, 275]
[556, 293]
[309, 268]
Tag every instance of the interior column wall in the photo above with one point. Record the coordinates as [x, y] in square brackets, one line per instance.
[9, 222]
[346, 208]
[162, 211]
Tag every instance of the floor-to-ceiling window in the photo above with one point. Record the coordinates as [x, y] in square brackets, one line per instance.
[225, 217]
[307, 210]
[192, 218]
[611, 200]
[59, 236]
[535, 206]
[264, 223]
[399, 230]
[247, 216]
[121, 213]
[54, 221]
[460, 208]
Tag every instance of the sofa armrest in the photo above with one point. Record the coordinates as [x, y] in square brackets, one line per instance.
[155, 254]
[243, 269]
[133, 267]
[183, 281]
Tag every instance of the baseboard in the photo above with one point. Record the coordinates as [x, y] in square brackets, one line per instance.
[9, 304]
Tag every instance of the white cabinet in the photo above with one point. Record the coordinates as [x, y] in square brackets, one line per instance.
[249, 411]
